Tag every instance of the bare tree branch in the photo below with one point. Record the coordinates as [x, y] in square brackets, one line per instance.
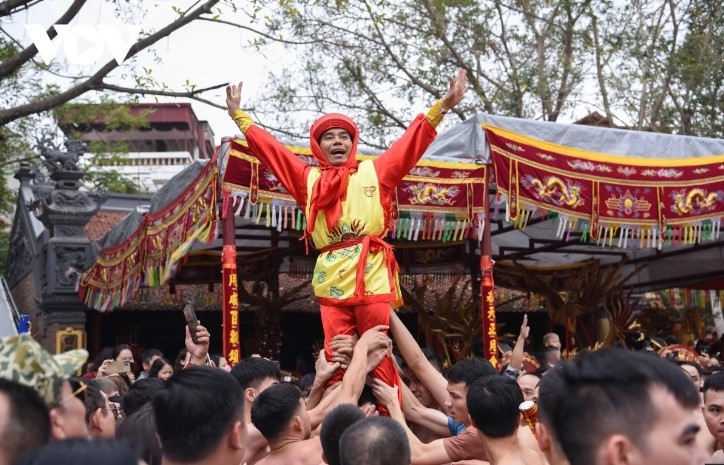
[11, 114]
[9, 7]
[192, 94]
[13, 64]
[258, 32]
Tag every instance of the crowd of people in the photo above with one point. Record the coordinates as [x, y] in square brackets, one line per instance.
[367, 404]
[607, 406]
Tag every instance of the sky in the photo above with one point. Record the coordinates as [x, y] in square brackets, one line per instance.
[203, 53]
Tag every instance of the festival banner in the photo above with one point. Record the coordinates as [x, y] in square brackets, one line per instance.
[437, 200]
[232, 339]
[617, 200]
[154, 250]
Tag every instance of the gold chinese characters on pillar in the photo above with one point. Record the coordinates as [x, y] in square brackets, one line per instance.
[232, 340]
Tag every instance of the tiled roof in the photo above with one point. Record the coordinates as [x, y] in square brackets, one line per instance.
[99, 225]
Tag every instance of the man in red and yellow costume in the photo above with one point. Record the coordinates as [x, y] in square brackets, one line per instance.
[348, 205]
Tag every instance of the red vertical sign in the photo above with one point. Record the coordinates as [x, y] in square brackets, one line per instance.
[230, 293]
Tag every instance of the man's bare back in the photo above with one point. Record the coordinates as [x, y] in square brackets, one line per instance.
[307, 452]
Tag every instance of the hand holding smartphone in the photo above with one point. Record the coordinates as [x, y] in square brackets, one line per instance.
[191, 321]
[118, 367]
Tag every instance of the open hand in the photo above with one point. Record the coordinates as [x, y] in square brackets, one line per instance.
[456, 91]
[324, 369]
[233, 97]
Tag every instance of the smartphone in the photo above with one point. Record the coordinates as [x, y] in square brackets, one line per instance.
[119, 366]
[24, 324]
[191, 321]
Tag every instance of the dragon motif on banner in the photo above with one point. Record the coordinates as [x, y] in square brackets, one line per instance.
[432, 194]
[695, 201]
[554, 190]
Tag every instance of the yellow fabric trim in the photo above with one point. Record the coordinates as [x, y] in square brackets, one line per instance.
[436, 113]
[242, 120]
[603, 157]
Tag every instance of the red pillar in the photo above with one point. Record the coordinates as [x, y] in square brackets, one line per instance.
[490, 333]
[230, 293]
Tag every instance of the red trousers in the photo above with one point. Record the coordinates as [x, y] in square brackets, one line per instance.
[360, 318]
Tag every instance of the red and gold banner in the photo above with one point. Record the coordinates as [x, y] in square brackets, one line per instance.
[230, 278]
[232, 338]
[648, 201]
[156, 247]
[437, 200]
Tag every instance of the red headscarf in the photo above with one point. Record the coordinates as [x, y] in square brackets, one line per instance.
[330, 189]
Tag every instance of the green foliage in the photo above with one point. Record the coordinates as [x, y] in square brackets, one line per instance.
[650, 65]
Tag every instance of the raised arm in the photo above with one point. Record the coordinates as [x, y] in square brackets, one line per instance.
[516, 359]
[287, 167]
[432, 453]
[323, 372]
[433, 380]
[374, 342]
[430, 418]
[402, 155]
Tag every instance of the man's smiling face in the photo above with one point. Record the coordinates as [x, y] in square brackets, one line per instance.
[336, 145]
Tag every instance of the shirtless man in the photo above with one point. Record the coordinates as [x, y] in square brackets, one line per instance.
[493, 406]
[254, 375]
[281, 415]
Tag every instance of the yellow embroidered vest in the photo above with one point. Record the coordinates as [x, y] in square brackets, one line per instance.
[335, 273]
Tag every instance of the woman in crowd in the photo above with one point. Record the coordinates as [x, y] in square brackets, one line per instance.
[161, 368]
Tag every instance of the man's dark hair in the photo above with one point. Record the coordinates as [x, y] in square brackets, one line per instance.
[714, 382]
[139, 429]
[468, 370]
[367, 396]
[81, 450]
[197, 408]
[251, 371]
[141, 393]
[604, 392]
[149, 354]
[691, 364]
[274, 408]
[27, 426]
[93, 399]
[493, 403]
[374, 441]
[334, 425]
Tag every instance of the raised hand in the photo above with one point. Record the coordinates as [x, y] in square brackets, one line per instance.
[524, 329]
[198, 350]
[323, 368]
[385, 394]
[375, 339]
[342, 348]
[456, 91]
[233, 97]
